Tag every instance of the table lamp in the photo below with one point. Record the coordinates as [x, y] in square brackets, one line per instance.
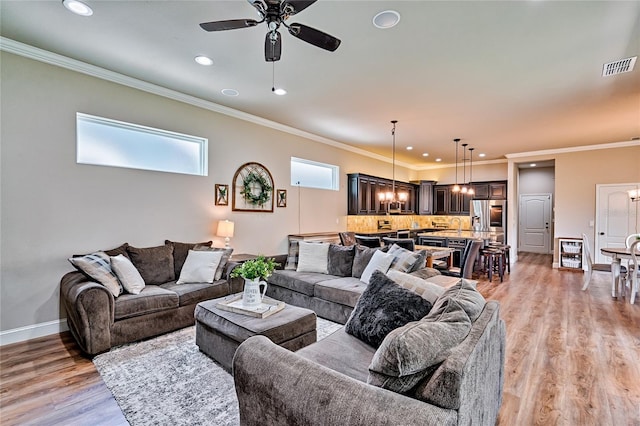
[225, 229]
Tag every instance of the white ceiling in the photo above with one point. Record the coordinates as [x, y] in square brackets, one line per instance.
[505, 76]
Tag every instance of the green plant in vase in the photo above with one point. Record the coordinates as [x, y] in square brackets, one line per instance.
[260, 267]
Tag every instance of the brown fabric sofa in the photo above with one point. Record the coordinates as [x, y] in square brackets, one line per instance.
[98, 320]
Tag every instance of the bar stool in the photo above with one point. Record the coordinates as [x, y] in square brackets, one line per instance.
[506, 248]
[494, 258]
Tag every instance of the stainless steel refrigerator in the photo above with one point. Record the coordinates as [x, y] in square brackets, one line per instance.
[490, 216]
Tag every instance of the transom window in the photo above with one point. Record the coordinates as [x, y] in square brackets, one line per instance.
[312, 174]
[105, 142]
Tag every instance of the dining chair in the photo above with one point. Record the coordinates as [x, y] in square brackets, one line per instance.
[634, 271]
[467, 261]
[347, 238]
[598, 267]
[366, 241]
[407, 243]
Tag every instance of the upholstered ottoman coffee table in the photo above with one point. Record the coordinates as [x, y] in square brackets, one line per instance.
[220, 332]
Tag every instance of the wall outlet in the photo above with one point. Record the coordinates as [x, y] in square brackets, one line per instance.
[591, 224]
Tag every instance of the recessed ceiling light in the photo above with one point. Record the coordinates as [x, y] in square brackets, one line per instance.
[77, 7]
[438, 160]
[386, 19]
[425, 154]
[230, 92]
[409, 148]
[279, 91]
[532, 165]
[482, 155]
[203, 60]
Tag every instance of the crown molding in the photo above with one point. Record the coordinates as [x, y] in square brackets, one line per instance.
[448, 165]
[45, 56]
[623, 144]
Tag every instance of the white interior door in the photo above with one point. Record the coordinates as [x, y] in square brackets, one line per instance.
[535, 223]
[616, 217]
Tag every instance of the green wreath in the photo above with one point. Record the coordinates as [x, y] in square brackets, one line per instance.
[265, 189]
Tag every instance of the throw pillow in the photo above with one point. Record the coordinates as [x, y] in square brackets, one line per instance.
[380, 261]
[384, 306]
[180, 252]
[226, 255]
[313, 257]
[404, 259]
[340, 260]
[155, 264]
[200, 267]
[97, 267]
[292, 256]
[420, 262]
[427, 290]
[407, 354]
[466, 295]
[127, 274]
[122, 249]
[361, 259]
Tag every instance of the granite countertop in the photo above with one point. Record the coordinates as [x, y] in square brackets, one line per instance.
[476, 235]
[389, 231]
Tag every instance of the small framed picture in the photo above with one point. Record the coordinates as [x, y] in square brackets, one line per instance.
[281, 198]
[222, 195]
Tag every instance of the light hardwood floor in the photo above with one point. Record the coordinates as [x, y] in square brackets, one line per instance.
[573, 358]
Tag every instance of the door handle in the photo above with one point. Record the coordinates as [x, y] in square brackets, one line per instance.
[601, 233]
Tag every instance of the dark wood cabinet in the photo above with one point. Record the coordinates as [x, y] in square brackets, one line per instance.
[364, 191]
[497, 190]
[424, 196]
[481, 191]
[441, 199]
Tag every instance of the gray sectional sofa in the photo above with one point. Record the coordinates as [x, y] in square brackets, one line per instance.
[98, 320]
[331, 382]
[334, 293]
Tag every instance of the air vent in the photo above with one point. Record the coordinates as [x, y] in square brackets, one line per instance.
[619, 67]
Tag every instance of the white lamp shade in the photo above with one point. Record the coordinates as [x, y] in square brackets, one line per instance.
[225, 229]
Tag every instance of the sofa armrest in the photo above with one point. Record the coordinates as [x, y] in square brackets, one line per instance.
[90, 312]
[278, 387]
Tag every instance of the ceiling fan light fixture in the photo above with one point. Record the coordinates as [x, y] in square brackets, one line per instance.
[386, 19]
[203, 60]
[77, 7]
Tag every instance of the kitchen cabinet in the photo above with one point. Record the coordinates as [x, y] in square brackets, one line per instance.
[497, 190]
[363, 192]
[447, 202]
[481, 191]
[440, 199]
[424, 198]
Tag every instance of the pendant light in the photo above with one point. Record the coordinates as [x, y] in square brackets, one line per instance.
[464, 188]
[391, 196]
[456, 187]
[471, 190]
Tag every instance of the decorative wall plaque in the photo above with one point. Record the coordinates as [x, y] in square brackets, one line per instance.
[252, 189]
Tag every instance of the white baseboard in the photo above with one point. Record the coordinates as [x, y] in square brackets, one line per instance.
[21, 334]
[555, 265]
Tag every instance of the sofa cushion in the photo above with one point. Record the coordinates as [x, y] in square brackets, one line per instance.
[313, 257]
[180, 252]
[200, 267]
[332, 353]
[97, 267]
[340, 260]
[122, 249]
[155, 264]
[151, 299]
[301, 282]
[425, 273]
[361, 259]
[128, 275]
[226, 255]
[465, 293]
[403, 259]
[380, 261]
[189, 294]
[344, 290]
[427, 290]
[383, 307]
[408, 354]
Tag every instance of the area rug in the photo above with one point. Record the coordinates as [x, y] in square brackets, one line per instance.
[167, 380]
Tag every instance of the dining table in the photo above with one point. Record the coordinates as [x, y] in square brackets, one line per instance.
[434, 252]
[617, 254]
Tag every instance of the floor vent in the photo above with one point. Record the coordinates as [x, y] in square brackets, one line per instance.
[619, 67]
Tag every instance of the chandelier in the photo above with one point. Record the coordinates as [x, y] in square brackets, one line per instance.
[466, 187]
[393, 199]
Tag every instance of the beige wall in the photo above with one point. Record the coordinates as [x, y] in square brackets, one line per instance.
[53, 208]
[482, 172]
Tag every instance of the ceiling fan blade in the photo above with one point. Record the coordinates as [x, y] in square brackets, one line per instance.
[230, 24]
[298, 6]
[272, 46]
[315, 37]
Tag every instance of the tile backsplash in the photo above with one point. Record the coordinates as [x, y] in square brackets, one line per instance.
[370, 223]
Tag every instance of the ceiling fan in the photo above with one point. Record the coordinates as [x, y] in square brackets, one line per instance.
[275, 13]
